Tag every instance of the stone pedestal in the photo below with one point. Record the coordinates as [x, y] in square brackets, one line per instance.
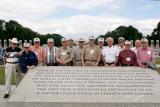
[88, 87]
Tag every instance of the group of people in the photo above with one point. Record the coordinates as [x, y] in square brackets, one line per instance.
[19, 61]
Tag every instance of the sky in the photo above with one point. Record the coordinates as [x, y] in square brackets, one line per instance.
[82, 18]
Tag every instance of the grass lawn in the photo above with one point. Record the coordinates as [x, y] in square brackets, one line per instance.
[2, 74]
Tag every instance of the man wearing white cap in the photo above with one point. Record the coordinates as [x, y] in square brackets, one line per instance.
[121, 45]
[11, 55]
[77, 52]
[137, 45]
[127, 57]
[70, 43]
[90, 53]
[64, 54]
[39, 51]
[145, 55]
[28, 60]
[109, 53]
[100, 45]
[50, 51]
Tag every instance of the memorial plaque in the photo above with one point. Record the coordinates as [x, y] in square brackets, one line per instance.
[88, 87]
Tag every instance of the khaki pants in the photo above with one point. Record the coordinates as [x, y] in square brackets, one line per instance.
[9, 70]
[89, 63]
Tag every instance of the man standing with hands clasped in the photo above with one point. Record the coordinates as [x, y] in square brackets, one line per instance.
[64, 54]
[91, 53]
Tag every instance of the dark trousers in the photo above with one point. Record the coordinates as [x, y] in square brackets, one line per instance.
[54, 64]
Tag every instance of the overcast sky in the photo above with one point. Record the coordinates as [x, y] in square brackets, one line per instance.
[81, 18]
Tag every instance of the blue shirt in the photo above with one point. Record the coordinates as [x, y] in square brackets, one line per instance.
[28, 59]
[1, 55]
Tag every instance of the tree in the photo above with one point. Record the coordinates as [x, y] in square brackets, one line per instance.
[155, 34]
[129, 33]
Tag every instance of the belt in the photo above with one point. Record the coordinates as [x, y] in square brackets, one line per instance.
[91, 61]
[12, 62]
[78, 60]
[110, 63]
[127, 65]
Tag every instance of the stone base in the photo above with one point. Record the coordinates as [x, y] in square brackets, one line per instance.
[79, 105]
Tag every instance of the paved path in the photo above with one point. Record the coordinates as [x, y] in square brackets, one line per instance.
[3, 102]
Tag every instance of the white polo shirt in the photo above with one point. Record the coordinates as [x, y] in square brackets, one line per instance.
[109, 54]
[119, 49]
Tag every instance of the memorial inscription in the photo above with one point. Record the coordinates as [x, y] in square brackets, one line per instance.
[88, 87]
[96, 82]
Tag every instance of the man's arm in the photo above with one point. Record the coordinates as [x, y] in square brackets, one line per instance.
[99, 56]
[82, 57]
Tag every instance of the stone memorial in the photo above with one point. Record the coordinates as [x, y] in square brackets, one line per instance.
[157, 43]
[88, 87]
[9, 42]
[30, 41]
[5, 44]
[25, 41]
[20, 43]
[152, 43]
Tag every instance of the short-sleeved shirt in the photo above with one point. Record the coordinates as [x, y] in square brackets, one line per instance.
[145, 55]
[39, 53]
[64, 54]
[51, 55]
[127, 58]
[11, 52]
[109, 54]
[77, 53]
[91, 53]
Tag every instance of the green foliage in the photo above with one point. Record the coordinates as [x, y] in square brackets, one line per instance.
[155, 34]
[12, 29]
[129, 33]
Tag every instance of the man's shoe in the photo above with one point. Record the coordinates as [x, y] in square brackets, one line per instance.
[6, 95]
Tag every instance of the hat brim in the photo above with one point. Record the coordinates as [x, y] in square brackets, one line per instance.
[14, 42]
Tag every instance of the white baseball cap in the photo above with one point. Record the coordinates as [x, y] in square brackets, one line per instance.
[144, 40]
[127, 42]
[14, 40]
[26, 45]
[100, 39]
[50, 40]
[81, 40]
[63, 39]
[91, 37]
[36, 40]
[121, 39]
